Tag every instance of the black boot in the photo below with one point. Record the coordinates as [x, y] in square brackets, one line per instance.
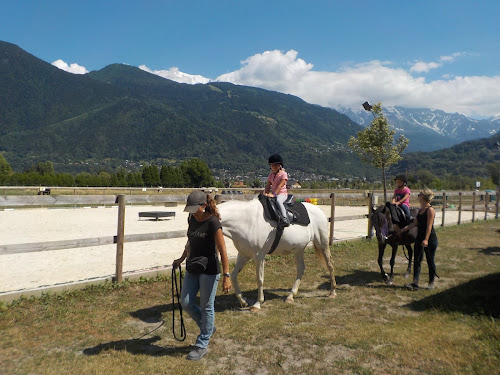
[283, 222]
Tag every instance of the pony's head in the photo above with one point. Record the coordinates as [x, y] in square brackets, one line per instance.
[382, 223]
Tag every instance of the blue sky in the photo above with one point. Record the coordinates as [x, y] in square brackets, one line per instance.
[427, 53]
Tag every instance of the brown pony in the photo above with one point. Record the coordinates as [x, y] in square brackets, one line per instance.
[386, 235]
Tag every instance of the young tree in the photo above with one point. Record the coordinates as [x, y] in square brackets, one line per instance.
[5, 169]
[376, 145]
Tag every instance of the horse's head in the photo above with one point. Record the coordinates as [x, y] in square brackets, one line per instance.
[382, 223]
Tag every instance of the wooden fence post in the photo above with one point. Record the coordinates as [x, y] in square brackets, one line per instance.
[486, 199]
[473, 206]
[444, 208]
[459, 207]
[370, 216]
[496, 214]
[332, 217]
[120, 236]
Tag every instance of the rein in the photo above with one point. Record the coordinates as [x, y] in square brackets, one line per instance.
[182, 334]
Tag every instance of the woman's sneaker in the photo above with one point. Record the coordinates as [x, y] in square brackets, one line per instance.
[197, 353]
[412, 286]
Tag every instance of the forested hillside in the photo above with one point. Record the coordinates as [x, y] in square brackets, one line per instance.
[123, 113]
[471, 158]
[123, 117]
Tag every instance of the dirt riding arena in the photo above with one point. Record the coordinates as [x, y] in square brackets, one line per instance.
[44, 270]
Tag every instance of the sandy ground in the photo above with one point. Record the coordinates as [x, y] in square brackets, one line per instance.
[26, 271]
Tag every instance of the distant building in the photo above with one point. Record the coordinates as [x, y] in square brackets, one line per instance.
[293, 184]
[238, 184]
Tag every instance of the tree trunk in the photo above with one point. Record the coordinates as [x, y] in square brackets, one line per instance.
[384, 182]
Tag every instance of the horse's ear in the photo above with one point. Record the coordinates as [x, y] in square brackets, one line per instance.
[383, 210]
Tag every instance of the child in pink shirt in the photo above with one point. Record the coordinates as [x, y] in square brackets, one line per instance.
[276, 185]
[402, 194]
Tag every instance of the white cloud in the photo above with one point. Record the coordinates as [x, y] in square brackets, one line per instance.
[175, 75]
[424, 67]
[353, 84]
[73, 68]
[270, 68]
[373, 81]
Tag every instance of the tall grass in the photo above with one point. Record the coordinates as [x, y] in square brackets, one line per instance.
[369, 328]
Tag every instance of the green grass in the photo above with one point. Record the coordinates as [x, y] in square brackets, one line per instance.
[368, 329]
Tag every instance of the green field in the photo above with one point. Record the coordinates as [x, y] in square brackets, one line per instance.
[369, 328]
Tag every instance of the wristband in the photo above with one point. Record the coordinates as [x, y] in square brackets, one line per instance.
[226, 274]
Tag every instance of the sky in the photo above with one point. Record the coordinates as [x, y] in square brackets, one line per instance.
[442, 54]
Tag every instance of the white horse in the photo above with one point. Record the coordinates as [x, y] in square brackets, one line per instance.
[253, 235]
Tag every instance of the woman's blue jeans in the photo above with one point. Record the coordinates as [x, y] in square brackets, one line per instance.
[203, 315]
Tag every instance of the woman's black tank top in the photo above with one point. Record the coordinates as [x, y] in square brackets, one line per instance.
[422, 225]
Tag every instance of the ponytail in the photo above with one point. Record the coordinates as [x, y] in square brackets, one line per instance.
[212, 207]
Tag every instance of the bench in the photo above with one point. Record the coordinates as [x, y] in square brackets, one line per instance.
[44, 191]
[156, 214]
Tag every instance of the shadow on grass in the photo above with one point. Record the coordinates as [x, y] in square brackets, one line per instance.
[492, 250]
[138, 346]
[359, 277]
[156, 314]
[476, 297]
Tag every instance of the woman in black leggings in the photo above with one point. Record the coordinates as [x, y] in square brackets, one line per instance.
[426, 241]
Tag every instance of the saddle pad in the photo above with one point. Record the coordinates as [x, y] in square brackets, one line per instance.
[297, 208]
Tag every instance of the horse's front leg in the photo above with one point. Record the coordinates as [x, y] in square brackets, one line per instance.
[241, 261]
[301, 266]
[259, 272]
[410, 257]
[381, 249]
[392, 263]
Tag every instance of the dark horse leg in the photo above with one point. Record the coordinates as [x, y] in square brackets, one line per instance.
[410, 257]
[392, 262]
[381, 249]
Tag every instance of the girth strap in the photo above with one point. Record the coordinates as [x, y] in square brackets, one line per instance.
[279, 233]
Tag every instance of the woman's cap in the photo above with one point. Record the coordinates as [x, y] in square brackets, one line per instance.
[194, 200]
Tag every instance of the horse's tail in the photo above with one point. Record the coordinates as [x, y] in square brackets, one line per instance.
[322, 248]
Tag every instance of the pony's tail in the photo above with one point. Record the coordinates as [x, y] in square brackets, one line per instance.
[322, 250]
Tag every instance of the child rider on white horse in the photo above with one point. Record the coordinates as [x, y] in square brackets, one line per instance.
[276, 186]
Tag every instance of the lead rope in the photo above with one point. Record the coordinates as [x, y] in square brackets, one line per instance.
[182, 336]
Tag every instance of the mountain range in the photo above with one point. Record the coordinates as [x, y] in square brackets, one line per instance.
[123, 116]
[429, 129]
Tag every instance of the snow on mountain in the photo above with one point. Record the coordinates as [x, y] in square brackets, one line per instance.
[429, 129]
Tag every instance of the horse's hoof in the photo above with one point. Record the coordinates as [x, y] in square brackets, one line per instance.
[389, 282]
[289, 300]
[385, 277]
[407, 273]
[332, 294]
[254, 309]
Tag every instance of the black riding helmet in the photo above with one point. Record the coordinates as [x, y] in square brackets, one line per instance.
[276, 159]
[401, 177]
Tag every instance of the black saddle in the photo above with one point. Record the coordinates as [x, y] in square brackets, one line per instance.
[296, 211]
[398, 216]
